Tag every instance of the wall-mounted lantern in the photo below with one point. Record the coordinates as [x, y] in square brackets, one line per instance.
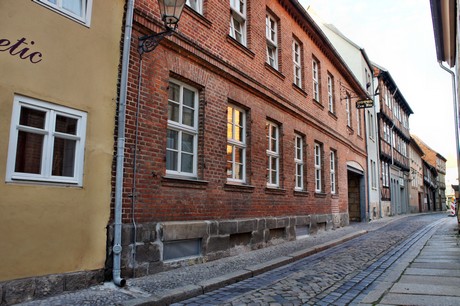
[170, 11]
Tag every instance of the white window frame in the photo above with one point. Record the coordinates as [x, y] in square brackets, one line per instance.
[49, 135]
[271, 34]
[234, 143]
[385, 178]
[371, 125]
[315, 75]
[358, 122]
[84, 18]
[196, 5]
[333, 172]
[273, 155]
[182, 129]
[318, 167]
[330, 92]
[373, 175]
[348, 110]
[239, 15]
[299, 163]
[297, 63]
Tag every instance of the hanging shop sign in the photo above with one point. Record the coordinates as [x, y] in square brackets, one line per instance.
[365, 103]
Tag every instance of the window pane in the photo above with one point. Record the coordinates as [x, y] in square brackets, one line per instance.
[238, 133]
[33, 118]
[193, 4]
[188, 116]
[189, 98]
[66, 125]
[64, 157]
[229, 161]
[229, 131]
[187, 163]
[238, 155]
[173, 111]
[174, 92]
[187, 143]
[239, 172]
[29, 153]
[171, 160]
[172, 139]
[74, 6]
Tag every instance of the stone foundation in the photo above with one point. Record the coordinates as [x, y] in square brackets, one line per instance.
[26, 289]
[212, 239]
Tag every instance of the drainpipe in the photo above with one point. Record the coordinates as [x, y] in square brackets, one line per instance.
[454, 98]
[117, 279]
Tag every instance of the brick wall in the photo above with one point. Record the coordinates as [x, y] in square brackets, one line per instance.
[202, 55]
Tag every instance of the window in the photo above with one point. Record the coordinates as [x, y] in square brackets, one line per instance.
[79, 10]
[182, 133]
[333, 173]
[298, 160]
[236, 144]
[273, 155]
[47, 142]
[373, 175]
[318, 167]
[368, 81]
[315, 68]
[330, 92]
[385, 175]
[196, 5]
[358, 122]
[371, 125]
[348, 110]
[238, 20]
[272, 41]
[297, 63]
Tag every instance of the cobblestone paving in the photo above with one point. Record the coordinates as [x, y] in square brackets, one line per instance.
[333, 277]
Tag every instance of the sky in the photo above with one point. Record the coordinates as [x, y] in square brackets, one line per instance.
[398, 35]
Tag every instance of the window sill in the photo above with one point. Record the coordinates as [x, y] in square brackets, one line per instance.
[300, 90]
[335, 196]
[273, 190]
[350, 130]
[43, 183]
[240, 46]
[203, 20]
[332, 115]
[183, 182]
[274, 71]
[317, 103]
[301, 193]
[320, 195]
[229, 186]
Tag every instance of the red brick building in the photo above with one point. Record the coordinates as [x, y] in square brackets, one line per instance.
[243, 133]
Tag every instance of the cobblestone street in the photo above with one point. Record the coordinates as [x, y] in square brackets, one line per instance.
[357, 264]
[340, 275]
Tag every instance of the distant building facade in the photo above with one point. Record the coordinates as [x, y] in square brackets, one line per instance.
[359, 63]
[430, 185]
[437, 161]
[417, 193]
[394, 139]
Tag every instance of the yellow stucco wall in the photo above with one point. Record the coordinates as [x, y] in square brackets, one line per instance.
[47, 229]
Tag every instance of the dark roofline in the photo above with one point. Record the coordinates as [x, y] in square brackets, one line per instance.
[337, 58]
[387, 76]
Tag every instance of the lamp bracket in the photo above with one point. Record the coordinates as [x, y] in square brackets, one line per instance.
[148, 43]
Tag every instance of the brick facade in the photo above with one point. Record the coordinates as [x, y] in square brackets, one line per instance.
[224, 214]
